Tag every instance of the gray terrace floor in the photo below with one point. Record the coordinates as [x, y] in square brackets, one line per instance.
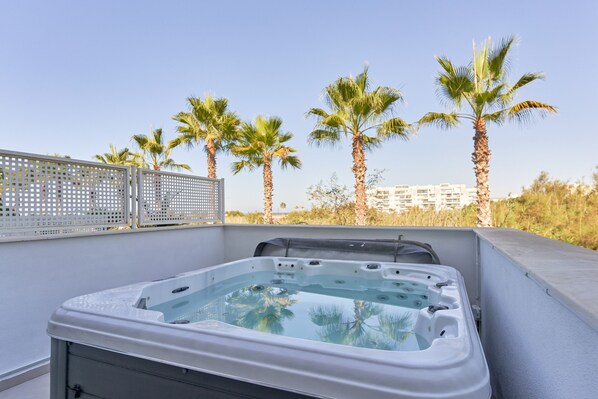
[37, 388]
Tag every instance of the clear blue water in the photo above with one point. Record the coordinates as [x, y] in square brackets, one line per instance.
[334, 309]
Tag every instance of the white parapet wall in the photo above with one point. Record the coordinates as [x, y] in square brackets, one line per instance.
[36, 276]
[539, 316]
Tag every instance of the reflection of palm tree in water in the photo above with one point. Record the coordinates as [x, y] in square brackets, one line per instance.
[391, 331]
[260, 308]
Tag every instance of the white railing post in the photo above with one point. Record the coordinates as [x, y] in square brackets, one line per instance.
[221, 200]
[140, 200]
[133, 197]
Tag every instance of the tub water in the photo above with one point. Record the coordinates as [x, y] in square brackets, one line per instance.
[353, 313]
[318, 328]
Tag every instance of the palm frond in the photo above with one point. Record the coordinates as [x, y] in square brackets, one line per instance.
[456, 86]
[523, 80]
[317, 112]
[485, 100]
[440, 120]
[290, 160]
[362, 80]
[396, 327]
[140, 139]
[497, 58]
[321, 137]
[363, 106]
[446, 64]
[238, 166]
[326, 315]
[177, 141]
[157, 135]
[284, 137]
[395, 127]
[386, 99]
[497, 117]
[370, 142]
[526, 111]
[479, 66]
[116, 157]
[169, 163]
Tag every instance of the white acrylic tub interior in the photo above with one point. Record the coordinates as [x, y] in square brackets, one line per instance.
[452, 366]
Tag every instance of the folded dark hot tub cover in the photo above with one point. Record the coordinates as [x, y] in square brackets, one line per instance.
[349, 249]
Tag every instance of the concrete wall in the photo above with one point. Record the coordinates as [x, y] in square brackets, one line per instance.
[455, 247]
[536, 346]
[37, 276]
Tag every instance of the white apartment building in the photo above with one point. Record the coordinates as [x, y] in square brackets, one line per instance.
[439, 196]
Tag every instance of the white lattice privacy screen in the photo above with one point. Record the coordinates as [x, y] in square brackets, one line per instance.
[172, 198]
[48, 195]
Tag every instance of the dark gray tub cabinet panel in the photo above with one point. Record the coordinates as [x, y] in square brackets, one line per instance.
[80, 371]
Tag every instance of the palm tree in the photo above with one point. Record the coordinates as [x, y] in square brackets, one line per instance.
[156, 154]
[119, 157]
[260, 308]
[355, 111]
[207, 121]
[360, 329]
[481, 86]
[258, 144]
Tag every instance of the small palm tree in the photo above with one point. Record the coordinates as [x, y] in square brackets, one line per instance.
[481, 86]
[156, 154]
[359, 328]
[260, 308]
[258, 145]
[355, 111]
[119, 157]
[207, 121]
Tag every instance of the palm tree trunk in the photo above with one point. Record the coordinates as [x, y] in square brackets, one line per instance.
[268, 192]
[359, 170]
[211, 150]
[481, 162]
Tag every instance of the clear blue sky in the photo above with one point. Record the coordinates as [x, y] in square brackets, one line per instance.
[78, 75]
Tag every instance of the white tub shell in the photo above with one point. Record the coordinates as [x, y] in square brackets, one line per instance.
[453, 366]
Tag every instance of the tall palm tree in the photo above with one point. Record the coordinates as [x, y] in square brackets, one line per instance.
[207, 121]
[156, 153]
[357, 112]
[258, 145]
[482, 88]
[119, 157]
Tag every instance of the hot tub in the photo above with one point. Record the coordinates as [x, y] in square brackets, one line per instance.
[276, 328]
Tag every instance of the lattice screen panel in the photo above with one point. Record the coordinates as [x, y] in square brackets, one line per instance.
[47, 195]
[172, 198]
